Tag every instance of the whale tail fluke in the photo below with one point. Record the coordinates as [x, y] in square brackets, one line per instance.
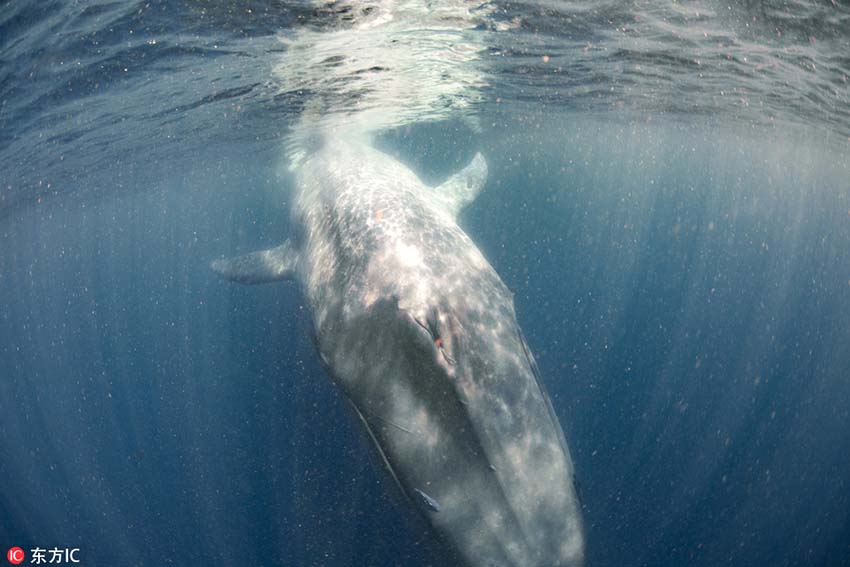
[463, 187]
[263, 266]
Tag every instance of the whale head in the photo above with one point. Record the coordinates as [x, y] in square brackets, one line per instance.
[452, 398]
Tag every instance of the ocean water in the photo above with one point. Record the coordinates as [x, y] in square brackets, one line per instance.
[668, 198]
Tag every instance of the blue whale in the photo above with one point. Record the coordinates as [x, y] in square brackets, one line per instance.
[420, 333]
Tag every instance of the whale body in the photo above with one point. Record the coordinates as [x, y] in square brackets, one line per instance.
[420, 333]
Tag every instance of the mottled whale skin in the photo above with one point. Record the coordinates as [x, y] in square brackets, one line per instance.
[419, 331]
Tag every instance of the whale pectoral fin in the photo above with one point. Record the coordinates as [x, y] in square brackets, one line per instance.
[263, 266]
[427, 501]
[463, 187]
[380, 449]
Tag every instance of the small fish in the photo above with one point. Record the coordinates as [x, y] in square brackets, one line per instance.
[427, 501]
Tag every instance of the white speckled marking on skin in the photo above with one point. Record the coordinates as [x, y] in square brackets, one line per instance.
[483, 440]
[420, 333]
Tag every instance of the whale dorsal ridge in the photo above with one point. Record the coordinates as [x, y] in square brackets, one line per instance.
[463, 187]
[263, 266]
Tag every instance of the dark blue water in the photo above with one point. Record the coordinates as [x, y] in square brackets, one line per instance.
[680, 258]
